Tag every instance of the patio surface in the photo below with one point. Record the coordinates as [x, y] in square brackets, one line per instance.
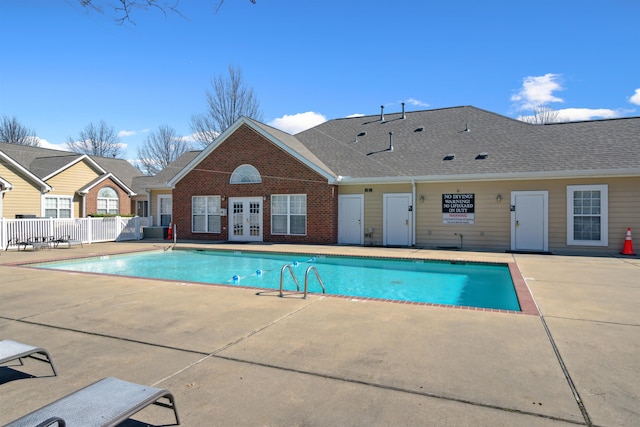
[234, 358]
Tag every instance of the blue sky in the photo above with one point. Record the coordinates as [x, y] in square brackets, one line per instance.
[64, 66]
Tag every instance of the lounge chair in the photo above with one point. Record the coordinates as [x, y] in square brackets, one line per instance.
[13, 350]
[65, 240]
[105, 403]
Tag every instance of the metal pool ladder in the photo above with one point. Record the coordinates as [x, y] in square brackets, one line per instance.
[306, 279]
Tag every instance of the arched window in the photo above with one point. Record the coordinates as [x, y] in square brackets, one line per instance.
[108, 201]
[245, 174]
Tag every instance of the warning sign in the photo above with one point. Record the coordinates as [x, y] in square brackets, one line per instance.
[458, 208]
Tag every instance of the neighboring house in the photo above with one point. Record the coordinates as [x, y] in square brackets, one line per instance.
[456, 177]
[39, 182]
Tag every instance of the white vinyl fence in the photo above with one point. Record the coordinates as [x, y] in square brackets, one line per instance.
[87, 230]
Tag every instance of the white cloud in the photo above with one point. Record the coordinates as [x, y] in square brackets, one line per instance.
[537, 91]
[415, 102]
[350, 116]
[298, 122]
[43, 143]
[578, 114]
[635, 98]
[125, 133]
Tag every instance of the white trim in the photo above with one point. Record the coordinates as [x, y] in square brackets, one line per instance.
[545, 218]
[224, 135]
[43, 207]
[604, 215]
[102, 178]
[73, 162]
[360, 198]
[246, 204]
[164, 196]
[44, 187]
[515, 176]
[385, 232]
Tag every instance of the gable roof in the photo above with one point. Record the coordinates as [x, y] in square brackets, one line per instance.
[101, 178]
[282, 140]
[162, 178]
[11, 162]
[511, 149]
[44, 163]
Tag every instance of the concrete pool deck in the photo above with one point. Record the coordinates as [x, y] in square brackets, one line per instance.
[232, 357]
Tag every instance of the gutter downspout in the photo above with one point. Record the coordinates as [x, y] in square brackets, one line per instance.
[413, 212]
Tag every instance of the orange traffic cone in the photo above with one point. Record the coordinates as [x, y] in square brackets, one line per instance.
[628, 244]
[170, 232]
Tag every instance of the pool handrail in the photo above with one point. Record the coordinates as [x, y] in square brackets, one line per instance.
[306, 280]
[287, 267]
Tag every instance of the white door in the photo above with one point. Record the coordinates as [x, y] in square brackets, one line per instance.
[529, 221]
[245, 219]
[350, 219]
[397, 218]
[164, 210]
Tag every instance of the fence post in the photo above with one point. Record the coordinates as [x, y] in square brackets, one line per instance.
[89, 230]
[3, 231]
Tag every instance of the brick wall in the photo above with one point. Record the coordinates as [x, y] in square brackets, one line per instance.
[281, 174]
[92, 198]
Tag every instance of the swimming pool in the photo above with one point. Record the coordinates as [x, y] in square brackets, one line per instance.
[437, 282]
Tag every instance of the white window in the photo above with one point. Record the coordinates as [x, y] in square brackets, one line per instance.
[587, 215]
[58, 206]
[245, 174]
[205, 214]
[164, 209]
[289, 214]
[108, 201]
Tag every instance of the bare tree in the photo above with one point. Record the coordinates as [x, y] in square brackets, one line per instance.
[124, 8]
[543, 114]
[96, 140]
[161, 148]
[13, 132]
[229, 100]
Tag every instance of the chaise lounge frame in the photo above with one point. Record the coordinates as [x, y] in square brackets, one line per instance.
[105, 403]
[13, 350]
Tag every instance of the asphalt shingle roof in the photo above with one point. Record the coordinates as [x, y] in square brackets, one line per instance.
[423, 139]
[42, 162]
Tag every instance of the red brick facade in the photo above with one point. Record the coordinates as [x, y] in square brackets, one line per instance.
[92, 198]
[281, 174]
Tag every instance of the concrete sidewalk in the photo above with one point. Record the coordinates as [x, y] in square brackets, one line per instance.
[233, 358]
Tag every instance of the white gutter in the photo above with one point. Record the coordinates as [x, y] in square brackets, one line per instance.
[515, 176]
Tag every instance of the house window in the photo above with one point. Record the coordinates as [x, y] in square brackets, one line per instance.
[587, 215]
[205, 214]
[108, 201]
[164, 210]
[245, 174]
[58, 207]
[289, 214]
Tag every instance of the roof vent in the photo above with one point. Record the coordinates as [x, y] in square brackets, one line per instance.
[449, 157]
[466, 128]
[382, 113]
[404, 116]
[360, 134]
[482, 156]
[390, 141]
[420, 129]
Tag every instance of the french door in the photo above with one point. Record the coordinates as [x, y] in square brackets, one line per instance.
[245, 219]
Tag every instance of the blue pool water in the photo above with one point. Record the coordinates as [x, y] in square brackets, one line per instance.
[439, 282]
